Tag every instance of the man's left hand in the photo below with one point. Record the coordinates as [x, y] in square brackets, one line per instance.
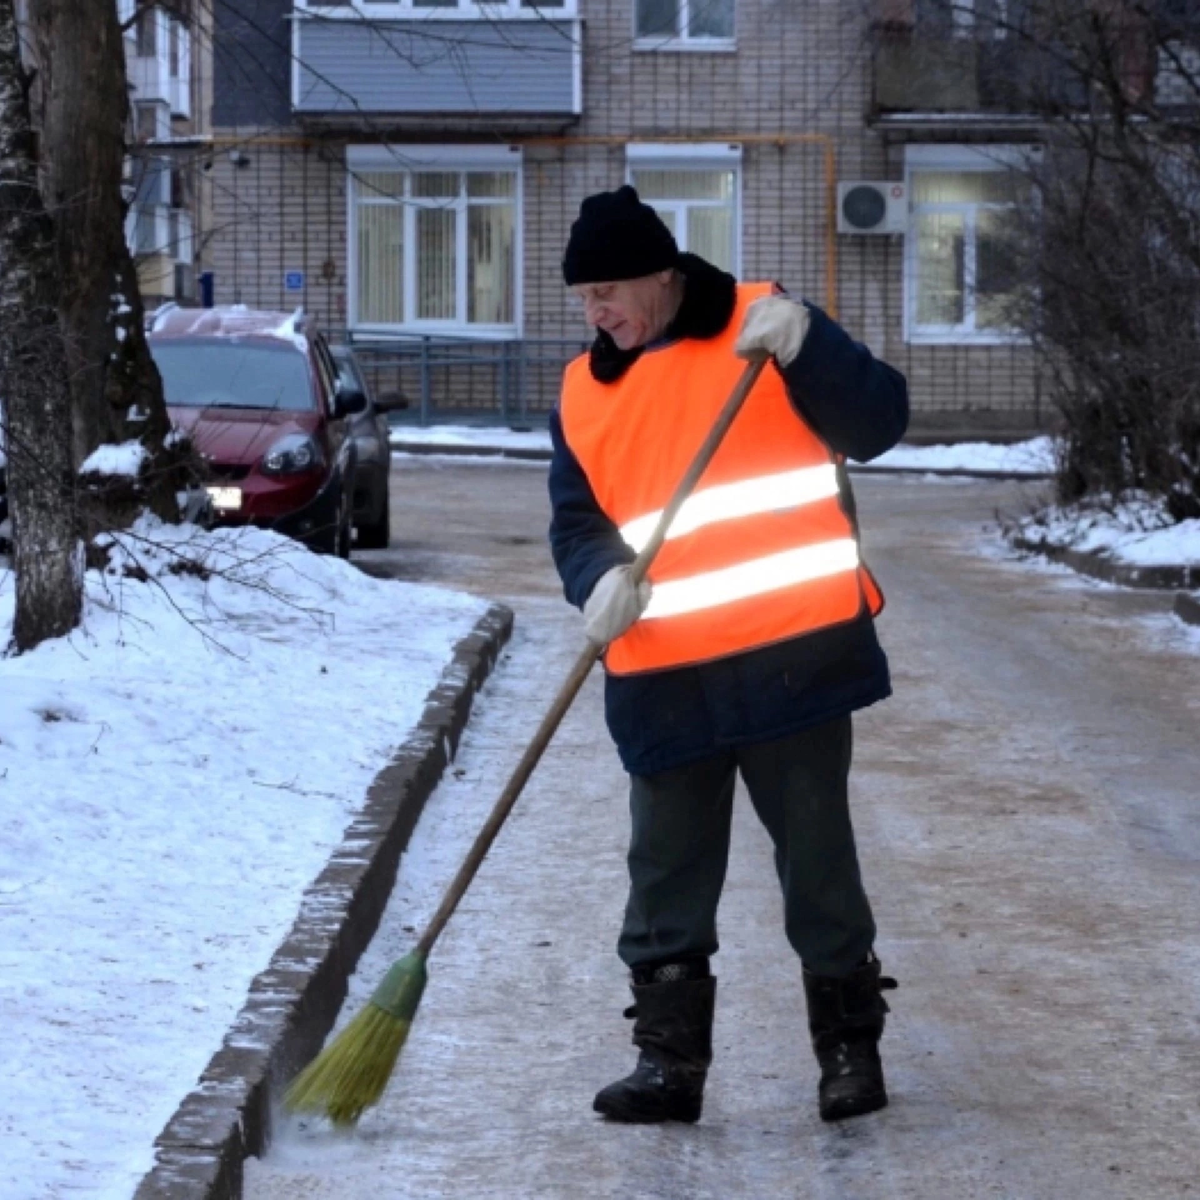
[774, 325]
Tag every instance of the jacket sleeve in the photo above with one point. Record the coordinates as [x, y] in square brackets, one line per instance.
[584, 542]
[856, 403]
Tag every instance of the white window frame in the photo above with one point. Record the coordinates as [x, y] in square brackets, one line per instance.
[919, 158]
[481, 10]
[683, 40]
[697, 156]
[435, 158]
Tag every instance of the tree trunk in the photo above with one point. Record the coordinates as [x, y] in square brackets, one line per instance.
[116, 389]
[47, 557]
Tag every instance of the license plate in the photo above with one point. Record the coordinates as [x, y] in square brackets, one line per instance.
[225, 499]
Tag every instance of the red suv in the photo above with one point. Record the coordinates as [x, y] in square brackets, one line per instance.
[258, 393]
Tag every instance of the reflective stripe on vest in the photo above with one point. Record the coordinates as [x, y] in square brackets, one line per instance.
[715, 588]
[771, 493]
[763, 550]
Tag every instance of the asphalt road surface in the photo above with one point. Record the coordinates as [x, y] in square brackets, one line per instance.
[1029, 823]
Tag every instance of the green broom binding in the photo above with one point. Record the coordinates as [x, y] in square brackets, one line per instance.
[349, 1075]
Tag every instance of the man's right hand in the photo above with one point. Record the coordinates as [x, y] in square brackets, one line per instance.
[614, 605]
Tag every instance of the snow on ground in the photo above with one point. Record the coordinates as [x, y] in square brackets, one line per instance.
[1137, 532]
[124, 459]
[172, 776]
[1035, 456]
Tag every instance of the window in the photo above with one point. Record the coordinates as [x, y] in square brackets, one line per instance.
[146, 33]
[698, 23]
[695, 191]
[436, 247]
[961, 279]
[962, 18]
[149, 123]
[175, 34]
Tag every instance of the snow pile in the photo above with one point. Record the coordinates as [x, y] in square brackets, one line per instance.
[1138, 532]
[289, 331]
[1033, 457]
[126, 459]
[172, 776]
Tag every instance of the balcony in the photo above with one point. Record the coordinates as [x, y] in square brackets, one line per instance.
[158, 54]
[955, 81]
[447, 67]
[956, 63]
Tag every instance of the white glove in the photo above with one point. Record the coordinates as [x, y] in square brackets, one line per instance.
[614, 605]
[773, 324]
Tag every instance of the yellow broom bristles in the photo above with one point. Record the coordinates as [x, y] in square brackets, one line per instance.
[350, 1074]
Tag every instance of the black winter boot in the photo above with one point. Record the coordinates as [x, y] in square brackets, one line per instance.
[845, 1018]
[673, 1019]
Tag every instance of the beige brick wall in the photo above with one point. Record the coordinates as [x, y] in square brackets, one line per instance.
[801, 70]
[283, 209]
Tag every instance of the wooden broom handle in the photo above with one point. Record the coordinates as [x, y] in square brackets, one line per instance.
[583, 666]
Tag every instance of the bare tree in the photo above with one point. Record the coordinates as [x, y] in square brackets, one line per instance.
[117, 392]
[1115, 276]
[1104, 265]
[46, 553]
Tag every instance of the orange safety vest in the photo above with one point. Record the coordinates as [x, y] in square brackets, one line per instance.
[763, 550]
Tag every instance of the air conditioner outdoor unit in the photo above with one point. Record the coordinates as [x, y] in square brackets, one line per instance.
[872, 206]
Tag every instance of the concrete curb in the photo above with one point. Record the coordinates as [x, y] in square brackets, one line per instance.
[532, 455]
[950, 472]
[292, 1005]
[458, 450]
[1187, 608]
[1100, 567]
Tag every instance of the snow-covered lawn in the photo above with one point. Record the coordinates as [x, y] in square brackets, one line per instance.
[172, 776]
[1033, 457]
[1136, 532]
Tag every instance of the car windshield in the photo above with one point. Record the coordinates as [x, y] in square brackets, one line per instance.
[227, 373]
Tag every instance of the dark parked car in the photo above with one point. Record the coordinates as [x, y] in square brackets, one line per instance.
[259, 394]
[372, 505]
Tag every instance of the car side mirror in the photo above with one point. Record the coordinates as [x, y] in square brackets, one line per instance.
[390, 402]
[348, 400]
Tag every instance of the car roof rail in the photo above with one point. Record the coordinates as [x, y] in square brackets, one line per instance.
[164, 309]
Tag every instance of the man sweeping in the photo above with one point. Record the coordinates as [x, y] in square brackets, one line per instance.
[749, 646]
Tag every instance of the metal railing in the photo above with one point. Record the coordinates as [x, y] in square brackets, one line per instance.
[461, 379]
[447, 380]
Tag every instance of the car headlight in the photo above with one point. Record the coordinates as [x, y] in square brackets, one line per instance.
[292, 455]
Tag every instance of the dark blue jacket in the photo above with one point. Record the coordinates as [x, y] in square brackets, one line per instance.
[663, 719]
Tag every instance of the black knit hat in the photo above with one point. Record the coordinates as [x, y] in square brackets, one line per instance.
[617, 237]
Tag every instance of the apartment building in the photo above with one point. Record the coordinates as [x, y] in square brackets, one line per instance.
[169, 71]
[409, 169]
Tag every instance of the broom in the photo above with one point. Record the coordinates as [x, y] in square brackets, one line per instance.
[350, 1074]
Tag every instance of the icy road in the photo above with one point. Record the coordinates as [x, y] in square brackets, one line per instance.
[1028, 810]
